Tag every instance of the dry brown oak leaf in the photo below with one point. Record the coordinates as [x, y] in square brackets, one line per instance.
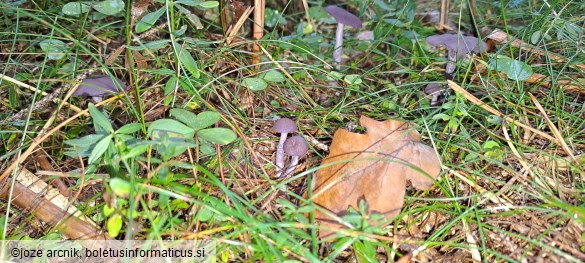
[372, 166]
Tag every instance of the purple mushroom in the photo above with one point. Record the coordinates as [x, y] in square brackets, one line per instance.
[434, 90]
[295, 147]
[458, 46]
[284, 126]
[99, 86]
[343, 18]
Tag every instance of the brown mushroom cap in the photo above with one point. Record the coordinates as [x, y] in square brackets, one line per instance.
[296, 146]
[99, 86]
[343, 17]
[284, 125]
[461, 44]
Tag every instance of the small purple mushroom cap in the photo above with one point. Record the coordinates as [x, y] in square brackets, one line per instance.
[457, 44]
[434, 90]
[296, 146]
[284, 125]
[99, 86]
[343, 17]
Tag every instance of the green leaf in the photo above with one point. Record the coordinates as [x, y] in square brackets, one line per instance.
[221, 136]
[99, 149]
[75, 8]
[194, 19]
[172, 137]
[100, 121]
[152, 45]
[205, 214]
[120, 187]
[87, 140]
[135, 151]
[209, 4]
[54, 48]
[514, 69]
[197, 122]
[489, 145]
[148, 20]
[188, 2]
[108, 210]
[441, 116]
[129, 128]
[254, 84]
[170, 127]
[187, 61]
[353, 79]
[535, 37]
[184, 116]
[114, 225]
[206, 119]
[274, 76]
[109, 7]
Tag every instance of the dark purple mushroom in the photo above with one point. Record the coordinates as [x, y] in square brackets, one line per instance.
[434, 89]
[458, 46]
[343, 18]
[284, 126]
[295, 147]
[99, 86]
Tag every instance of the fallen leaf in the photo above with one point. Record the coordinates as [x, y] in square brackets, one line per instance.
[372, 166]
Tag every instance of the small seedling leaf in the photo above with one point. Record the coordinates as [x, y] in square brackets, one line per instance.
[99, 149]
[221, 136]
[54, 48]
[274, 76]
[254, 84]
[209, 4]
[205, 214]
[184, 116]
[109, 7]
[75, 8]
[206, 119]
[114, 225]
[172, 128]
[135, 151]
[100, 121]
[353, 79]
[514, 69]
[129, 128]
[188, 62]
[120, 187]
[149, 20]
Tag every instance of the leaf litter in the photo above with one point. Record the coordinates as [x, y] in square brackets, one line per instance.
[374, 167]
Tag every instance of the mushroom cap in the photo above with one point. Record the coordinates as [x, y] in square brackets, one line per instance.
[455, 42]
[432, 88]
[343, 17]
[296, 146]
[99, 86]
[284, 125]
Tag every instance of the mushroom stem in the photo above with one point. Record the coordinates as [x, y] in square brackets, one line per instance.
[338, 50]
[279, 162]
[293, 165]
[451, 64]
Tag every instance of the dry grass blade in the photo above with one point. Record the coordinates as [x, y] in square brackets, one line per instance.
[232, 31]
[480, 103]
[554, 129]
